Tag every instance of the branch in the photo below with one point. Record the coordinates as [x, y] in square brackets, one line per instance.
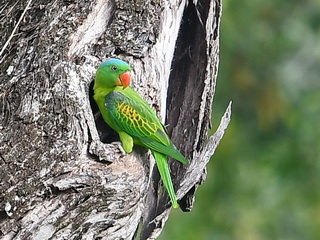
[15, 28]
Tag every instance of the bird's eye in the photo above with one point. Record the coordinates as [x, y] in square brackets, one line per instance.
[114, 68]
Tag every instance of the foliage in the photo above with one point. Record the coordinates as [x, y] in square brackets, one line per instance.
[263, 182]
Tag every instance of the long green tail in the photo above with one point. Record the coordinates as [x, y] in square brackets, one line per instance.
[162, 163]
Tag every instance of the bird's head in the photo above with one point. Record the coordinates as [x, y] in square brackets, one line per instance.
[112, 73]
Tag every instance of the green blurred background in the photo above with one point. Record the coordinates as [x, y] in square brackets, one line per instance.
[264, 179]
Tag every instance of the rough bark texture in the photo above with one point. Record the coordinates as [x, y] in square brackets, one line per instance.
[62, 176]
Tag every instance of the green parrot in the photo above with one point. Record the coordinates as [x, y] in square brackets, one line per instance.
[133, 119]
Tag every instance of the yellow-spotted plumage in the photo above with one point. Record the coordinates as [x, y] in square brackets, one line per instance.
[132, 117]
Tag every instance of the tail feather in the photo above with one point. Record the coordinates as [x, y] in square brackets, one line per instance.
[162, 163]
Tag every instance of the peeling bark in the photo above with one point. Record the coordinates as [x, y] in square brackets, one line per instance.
[62, 173]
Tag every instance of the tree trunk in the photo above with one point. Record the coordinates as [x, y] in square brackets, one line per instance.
[62, 174]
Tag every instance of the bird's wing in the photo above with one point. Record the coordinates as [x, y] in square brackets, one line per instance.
[135, 117]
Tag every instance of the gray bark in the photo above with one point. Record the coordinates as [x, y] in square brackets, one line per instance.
[62, 174]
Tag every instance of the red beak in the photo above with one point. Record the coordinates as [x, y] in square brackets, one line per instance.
[125, 79]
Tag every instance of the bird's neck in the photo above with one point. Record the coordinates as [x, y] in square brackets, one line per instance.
[101, 92]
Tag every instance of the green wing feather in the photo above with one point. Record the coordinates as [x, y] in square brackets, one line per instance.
[128, 112]
[167, 150]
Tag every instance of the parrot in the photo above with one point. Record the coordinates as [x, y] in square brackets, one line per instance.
[126, 112]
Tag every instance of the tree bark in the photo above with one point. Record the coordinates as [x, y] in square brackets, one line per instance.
[62, 173]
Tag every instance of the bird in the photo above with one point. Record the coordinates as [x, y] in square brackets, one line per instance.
[126, 112]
